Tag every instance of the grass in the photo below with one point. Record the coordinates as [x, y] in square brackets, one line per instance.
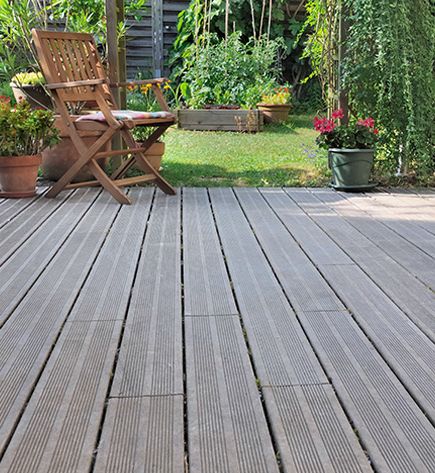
[281, 155]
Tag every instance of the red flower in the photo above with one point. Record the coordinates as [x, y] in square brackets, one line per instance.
[375, 131]
[4, 99]
[337, 114]
[368, 122]
[323, 125]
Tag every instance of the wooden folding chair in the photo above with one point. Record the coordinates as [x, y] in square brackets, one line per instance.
[74, 74]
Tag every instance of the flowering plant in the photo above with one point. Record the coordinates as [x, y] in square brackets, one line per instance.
[24, 131]
[361, 134]
[280, 96]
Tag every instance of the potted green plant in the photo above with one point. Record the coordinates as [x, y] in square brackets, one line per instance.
[350, 149]
[24, 133]
[29, 86]
[276, 105]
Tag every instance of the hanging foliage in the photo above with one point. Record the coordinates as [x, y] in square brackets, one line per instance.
[389, 74]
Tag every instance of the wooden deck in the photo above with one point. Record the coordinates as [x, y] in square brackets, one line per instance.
[218, 331]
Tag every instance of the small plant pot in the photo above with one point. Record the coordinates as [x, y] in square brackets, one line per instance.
[18, 175]
[154, 155]
[274, 113]
[351, 168]
[34, 94]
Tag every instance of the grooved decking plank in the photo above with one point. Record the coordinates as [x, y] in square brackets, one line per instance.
[411, 295]
[19, 272]
[312, 431]
[227, 428]
[395, 432]
[418, 208]
[59, 427]
[405, 347]
[281, 352]
[399, 220]
[389, 242]
[27, 337]
[207, 290]
[24, 225]
[301, 280]
[409, 352]
[142, 435]
[107, 290]
[10, 208]
[150, 359]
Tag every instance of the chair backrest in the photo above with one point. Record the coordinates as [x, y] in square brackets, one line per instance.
[70, 57]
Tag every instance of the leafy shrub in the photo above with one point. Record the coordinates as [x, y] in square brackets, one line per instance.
[24, 131]
[230, 71]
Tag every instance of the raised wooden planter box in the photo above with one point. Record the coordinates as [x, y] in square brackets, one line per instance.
[221, 120]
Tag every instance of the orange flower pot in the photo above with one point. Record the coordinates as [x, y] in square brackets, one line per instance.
[18, 175]
[274, 113]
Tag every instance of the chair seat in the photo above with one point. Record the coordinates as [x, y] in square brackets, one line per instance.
[127, 115]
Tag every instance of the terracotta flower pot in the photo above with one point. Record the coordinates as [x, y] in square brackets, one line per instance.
[274, 113]
[18, 175]
[154, 155]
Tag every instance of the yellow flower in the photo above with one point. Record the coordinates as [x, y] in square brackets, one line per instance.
[167, 86]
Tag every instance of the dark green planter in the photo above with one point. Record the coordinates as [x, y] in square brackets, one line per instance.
[351, 168]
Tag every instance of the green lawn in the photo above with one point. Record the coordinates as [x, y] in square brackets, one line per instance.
[277, 156]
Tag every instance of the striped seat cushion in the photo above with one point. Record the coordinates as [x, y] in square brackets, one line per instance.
[125, 115]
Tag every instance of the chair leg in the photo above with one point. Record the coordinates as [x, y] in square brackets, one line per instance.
[160, 182]
[107, 183]
[85, 158]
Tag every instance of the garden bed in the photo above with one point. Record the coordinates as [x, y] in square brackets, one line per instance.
[220, 120]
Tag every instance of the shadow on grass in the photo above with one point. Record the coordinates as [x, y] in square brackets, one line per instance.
[183, 174]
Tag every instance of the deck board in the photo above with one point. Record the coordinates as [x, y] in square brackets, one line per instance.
[227, 426]
[10, 208]
[150, 359]
[271, 321]
[19, 273]
[19, 229]
[221, 330]
[281, 352]
[27, 337]
[389, 242]
[264, 223]
[207, 289]
[410, 294]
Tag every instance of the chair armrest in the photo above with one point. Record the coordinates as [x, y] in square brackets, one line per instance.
[158, 80]
[77, 83]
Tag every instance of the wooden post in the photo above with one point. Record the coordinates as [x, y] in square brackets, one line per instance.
[122, 56]
[113, 60]
[342, 38]
[157, 36]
